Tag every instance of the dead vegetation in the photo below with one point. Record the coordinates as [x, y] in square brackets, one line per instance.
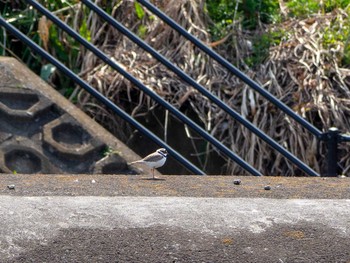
[300, 71]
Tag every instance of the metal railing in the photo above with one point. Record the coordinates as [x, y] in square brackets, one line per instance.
[230, 67]
[100, 97]
[117, 110]
[332, 137]
[146, 90]
[203, 90]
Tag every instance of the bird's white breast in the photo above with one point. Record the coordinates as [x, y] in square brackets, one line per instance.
[157, 164]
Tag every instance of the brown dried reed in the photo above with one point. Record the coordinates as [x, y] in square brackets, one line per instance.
[299, 71]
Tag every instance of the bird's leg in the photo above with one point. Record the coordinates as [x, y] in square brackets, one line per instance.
[153, 173]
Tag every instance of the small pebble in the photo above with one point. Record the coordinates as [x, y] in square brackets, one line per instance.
[237, 182]
[93, 181]
[267, 187]
[11, 186]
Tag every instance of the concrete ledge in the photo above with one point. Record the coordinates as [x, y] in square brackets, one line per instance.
[87, 218]
[184, 186]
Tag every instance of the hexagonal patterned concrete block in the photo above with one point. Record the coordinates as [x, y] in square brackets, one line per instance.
[111, 165]
[24, 156]
[66, 138]
[42, 132]
[20, 103]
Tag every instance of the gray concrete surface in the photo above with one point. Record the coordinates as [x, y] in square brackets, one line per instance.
[31, 222]
[124, 218]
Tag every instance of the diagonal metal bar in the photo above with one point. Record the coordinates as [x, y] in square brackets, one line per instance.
[200, 88]
[231, 68]
[142, 87]
[98, 95]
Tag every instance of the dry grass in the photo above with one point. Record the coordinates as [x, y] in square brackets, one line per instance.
[299, 71]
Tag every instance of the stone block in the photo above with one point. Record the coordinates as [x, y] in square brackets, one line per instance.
[42, 132]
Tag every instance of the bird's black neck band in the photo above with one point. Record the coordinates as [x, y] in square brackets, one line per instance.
[162, 154]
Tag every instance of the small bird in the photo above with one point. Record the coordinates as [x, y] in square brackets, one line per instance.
[154, 160]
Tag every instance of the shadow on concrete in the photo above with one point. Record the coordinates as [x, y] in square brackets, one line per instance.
[284, 243]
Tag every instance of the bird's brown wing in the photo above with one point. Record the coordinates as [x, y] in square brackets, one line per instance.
[154, 157]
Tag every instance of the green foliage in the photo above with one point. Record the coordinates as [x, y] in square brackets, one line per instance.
[345, 61]
[139, 10]
[140, 13]
[84, 31]
[107, 151]
[330, 5]
[336, 35]
[261, 45]
[250, 12]
[264, 11]
[47, 71]
[142, 31]
[222, 12]
[305, 8]
[26, 19]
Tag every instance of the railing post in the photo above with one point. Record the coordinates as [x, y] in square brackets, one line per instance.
[332, 138]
